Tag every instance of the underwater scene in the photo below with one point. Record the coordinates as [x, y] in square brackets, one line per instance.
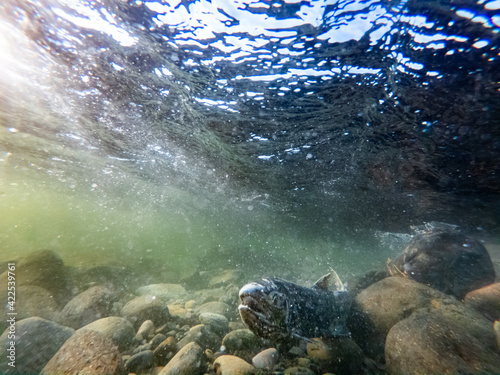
[250, 187]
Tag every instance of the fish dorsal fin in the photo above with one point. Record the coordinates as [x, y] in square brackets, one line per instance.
[330, 282]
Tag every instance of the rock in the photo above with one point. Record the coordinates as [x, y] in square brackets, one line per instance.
[118, 329]
[35, 301]
[189, 360]
[141, 348]
[208, 295]
[485, 300]
[232, 365]
[494, 251]
[196, 281]
[496, 327]
[377, 308]
[165, 350]
[178, 311]
[218, 323]
[45, 269]
[231, 297]
[448, 339]
[446, 260]
[266, 359]
[4, 264]
[225, 277]
[166, 292]
[217, 307]
[146, 331]
[339, 356]
[94, 303]
[303, 362]
[359, 283]
[202, 335]
[146, 307]
[37, 340]
[119, 277]
[157, 340]
[297, 351]
[190, 305]
[86, 352]
[140, 362]
[241, 339]
[393, 299]
[231, 300]
[298, 371]
[233, 326]
[210, 355]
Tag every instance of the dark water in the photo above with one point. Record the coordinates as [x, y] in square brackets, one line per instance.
[157, 133]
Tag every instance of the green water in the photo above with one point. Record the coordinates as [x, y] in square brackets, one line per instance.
[156, 229]
[84, 176]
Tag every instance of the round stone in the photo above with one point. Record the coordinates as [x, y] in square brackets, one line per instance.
[266, 359]
[119, 329]
[232, 365]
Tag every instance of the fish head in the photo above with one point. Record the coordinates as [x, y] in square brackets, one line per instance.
[265, 309]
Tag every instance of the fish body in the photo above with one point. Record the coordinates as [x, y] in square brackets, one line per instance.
[278, 310]
[445, 259]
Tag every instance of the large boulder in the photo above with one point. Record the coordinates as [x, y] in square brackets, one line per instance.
[144, 308]
[485, 300]
[446, 260]
[118, 329]
[37, 340]
[33, 300]
[86, 352]
[93, 304]
[443, 339]
[45, 269]
[380, 306]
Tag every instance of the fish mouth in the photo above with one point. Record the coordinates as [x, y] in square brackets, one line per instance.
[252, 317]
[251, 303]
[251, 309]
[251, 294]
[258, 322]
